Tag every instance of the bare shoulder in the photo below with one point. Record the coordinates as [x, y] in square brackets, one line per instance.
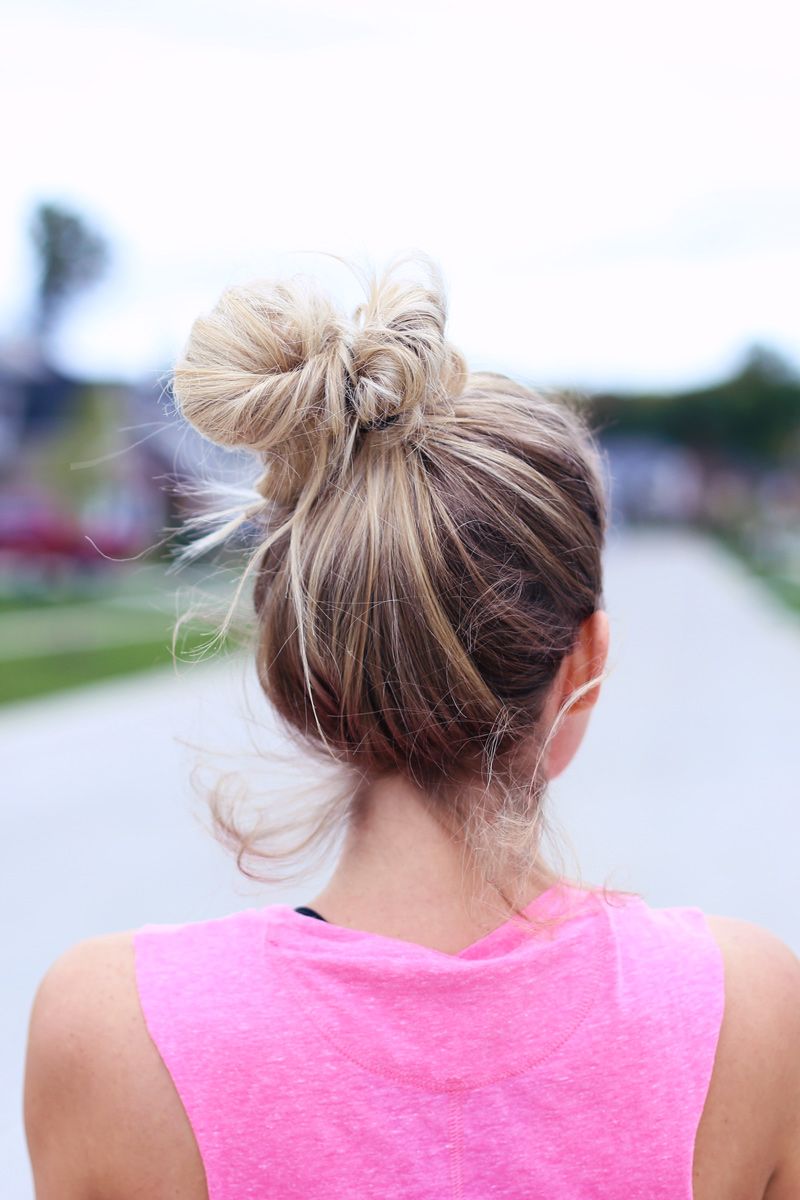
[762, 987]
[744, 944]
[101, 1111]
[93, 979]
[84, 1014]
[754, 1098]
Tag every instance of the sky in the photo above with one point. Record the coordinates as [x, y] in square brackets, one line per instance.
[612, 190]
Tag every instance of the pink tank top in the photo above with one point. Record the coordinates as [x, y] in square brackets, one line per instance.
[567, 1061]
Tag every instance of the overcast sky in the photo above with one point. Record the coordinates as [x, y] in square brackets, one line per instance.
[613, 189]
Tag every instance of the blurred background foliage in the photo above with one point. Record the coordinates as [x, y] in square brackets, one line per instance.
[92, 479]
[755, 414]
[725, 459]
[71, 256]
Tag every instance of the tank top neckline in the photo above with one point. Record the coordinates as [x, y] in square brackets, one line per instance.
[556, 904]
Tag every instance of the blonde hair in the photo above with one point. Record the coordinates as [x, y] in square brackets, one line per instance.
[430, 540]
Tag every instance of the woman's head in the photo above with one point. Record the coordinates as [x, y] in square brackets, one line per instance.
[431, 538]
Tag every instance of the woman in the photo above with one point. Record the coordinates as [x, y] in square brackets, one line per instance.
[447, 1018]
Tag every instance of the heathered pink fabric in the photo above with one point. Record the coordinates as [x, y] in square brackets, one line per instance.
[567, 1061]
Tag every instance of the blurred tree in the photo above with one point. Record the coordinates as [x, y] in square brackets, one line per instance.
[755, 414]
[72, 256]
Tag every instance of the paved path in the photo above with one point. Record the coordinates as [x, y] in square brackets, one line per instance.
[687, 784]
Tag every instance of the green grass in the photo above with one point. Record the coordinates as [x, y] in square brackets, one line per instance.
[59, 637]
[784, 587]
[24, 678]
[787, 590]
[67, 642]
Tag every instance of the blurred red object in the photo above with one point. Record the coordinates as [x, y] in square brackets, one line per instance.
[34, 527]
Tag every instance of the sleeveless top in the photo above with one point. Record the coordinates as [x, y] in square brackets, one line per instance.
[567, 1057]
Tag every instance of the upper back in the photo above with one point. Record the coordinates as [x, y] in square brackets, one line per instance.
[572, 1061]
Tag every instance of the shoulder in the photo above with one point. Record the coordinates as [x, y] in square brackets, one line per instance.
[96, 1091]
[96, 974]
[755, 1087]
[761, 1025]
[85, 1008]
[762, 982]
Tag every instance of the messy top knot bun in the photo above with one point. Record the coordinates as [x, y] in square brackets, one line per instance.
[402, 366]
[278, 369]
[431, 542]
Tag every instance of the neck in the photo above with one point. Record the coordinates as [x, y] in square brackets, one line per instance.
[403, 875]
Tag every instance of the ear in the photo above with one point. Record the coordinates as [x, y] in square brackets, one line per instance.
[587, 660]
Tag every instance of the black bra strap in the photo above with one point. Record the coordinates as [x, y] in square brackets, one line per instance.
[309, 912]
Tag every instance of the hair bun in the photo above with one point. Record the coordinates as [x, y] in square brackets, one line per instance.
[256, 370]
[402, 364]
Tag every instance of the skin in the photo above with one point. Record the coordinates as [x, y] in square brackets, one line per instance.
[104, 1120]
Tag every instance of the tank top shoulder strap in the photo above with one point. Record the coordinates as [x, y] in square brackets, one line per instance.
[667, 993]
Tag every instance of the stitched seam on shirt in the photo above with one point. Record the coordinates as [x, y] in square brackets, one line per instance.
[455, 1131]
[410, 1078]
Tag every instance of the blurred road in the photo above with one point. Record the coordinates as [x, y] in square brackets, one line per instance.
[686, 788]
